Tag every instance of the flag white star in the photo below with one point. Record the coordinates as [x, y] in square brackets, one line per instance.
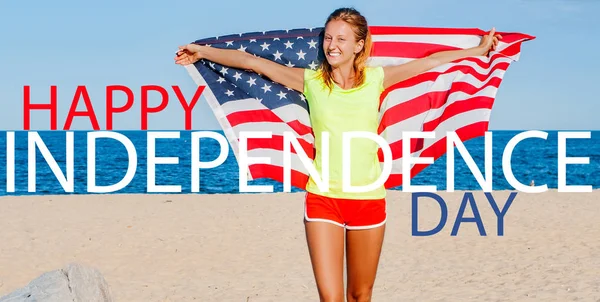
[265, 46]
[302, 97]
[277, 55]
[224, 70]
[289, 64]
[300, 37]
[251, 81]
[260, 100]
[288, 44]
[301, 55]
[221, 80]
[313, 65]
[229, 43]
[229, 92]
[208, 45]
[275, 39]
[312, 44]
[288, 88]
[242, 48]
[282, 95]
[237, 76]
[212, 65]
[252, 40]
[266, 88]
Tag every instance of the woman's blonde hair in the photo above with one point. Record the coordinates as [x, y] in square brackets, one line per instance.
[361, 32]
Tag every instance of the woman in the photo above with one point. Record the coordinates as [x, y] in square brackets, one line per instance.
[343, 95]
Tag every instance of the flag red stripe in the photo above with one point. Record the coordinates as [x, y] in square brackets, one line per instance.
[512, 50]
[252, 116]
[514, 37]
[300, 128]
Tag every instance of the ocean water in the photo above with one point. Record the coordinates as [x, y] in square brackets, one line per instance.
[532, 159]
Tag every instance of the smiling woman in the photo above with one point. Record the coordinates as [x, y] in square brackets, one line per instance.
[343, 96]
[341, 48]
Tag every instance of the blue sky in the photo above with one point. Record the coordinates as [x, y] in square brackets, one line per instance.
[132, 43]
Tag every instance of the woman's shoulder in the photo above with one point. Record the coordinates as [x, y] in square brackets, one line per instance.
[311, 74]
[312, 78]
[312, 81]
[374, 76]
[374, 72]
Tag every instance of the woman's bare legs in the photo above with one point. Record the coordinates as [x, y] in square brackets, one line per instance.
[363, 248]
[326, 249]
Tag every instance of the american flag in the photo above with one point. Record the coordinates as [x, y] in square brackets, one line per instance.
[454, 97]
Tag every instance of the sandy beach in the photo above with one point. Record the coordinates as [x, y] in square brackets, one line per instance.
[252, 247]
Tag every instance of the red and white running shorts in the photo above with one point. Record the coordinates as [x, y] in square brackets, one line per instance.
[353, 214]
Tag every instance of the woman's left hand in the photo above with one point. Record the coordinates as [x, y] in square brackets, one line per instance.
[489, 42]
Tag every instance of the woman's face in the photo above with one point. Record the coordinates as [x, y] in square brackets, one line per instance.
[339, 44]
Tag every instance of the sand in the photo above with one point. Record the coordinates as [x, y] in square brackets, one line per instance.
[252, 247]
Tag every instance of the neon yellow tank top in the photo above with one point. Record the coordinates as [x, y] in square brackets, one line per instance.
[355, 109]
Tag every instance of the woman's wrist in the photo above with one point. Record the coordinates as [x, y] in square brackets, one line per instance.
[479, 51]
[200, 53]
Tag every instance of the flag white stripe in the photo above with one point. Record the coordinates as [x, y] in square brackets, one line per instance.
[242, 105]
[293, 112]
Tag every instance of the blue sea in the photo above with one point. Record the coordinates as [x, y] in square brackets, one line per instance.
[532, 159]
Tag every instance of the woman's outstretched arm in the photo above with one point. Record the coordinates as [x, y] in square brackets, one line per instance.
[398, 73]
[291, 77]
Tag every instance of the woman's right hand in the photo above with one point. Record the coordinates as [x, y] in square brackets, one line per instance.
[188, 54]
[292, 77]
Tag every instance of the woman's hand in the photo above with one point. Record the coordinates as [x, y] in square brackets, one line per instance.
[188, 54]
[489, 42]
